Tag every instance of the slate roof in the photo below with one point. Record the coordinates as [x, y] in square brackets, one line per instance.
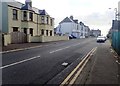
[26, 7]
[15, 4]
[66, 20]
[43, 12]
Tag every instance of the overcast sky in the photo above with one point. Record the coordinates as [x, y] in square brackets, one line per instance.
[94, 13]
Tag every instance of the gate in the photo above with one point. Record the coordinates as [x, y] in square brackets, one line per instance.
[18, 37]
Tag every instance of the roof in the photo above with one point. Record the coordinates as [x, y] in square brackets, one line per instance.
[43, 12]
[15, 4]
[66, 20]
[26, 7]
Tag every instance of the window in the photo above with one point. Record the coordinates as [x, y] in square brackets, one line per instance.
[82, 28]
[77, 27]
[47, 32]
[42, 32]
[47, 20]
[15, 29]
[15, 14]
[31, 31]
[42, 19]
[81, 34]
[31, 16]
[25, 30]
[24, 15]
[51, 33]
[51, 22]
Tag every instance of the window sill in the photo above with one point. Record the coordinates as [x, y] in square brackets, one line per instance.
[15, 19]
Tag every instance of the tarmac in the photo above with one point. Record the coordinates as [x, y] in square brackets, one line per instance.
[104, 68]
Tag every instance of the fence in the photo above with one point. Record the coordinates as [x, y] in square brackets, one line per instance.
[116, 41]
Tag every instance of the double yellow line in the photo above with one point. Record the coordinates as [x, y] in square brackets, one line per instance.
[71, 78]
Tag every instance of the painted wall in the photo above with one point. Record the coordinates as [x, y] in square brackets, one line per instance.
[13, 23]
[77, 30]
[4, 17]
[47, 38]
[66, 28]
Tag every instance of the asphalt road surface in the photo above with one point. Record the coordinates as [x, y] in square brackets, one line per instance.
[44, 65]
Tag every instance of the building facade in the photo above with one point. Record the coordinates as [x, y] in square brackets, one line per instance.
[19, 17]
[95, 33]
[71, 27]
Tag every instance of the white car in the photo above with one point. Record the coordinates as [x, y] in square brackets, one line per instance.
[101, 39]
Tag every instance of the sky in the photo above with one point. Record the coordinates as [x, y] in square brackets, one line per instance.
[93, 13]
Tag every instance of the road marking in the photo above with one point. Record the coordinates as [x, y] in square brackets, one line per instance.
[9, 51]
[76, 68]
[63, 48]
[20, 62]
[59, 50]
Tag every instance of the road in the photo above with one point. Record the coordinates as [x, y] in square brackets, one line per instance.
[44, 65]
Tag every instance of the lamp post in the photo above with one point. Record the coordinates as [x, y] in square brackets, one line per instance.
[116, 13]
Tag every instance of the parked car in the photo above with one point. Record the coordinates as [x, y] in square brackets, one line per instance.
[101, 39]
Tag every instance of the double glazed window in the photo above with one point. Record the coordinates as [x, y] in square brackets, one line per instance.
[25, 15]
[51, 33]
[47, 20]
[51, 21]
[31, 31]
[15, 29]
[42, 20]
[15, 14]
[42, 32]
[31, 16]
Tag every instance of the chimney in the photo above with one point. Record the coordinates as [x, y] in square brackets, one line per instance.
[28, 2]
[71, 17]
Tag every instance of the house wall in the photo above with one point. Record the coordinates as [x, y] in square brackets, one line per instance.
[66, 28]
[13, 23]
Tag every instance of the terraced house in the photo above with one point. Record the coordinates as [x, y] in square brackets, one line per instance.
[19, 20]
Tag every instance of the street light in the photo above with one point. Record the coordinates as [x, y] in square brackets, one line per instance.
[116, 13]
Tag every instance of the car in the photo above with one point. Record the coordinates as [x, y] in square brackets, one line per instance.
[101, 39]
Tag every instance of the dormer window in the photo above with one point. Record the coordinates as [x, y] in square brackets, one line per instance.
[31, 16]
[25, 15]
[15, 14]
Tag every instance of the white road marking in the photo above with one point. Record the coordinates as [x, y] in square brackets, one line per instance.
[63, 48]
[59, 50]
[9, 51]
[19, 62]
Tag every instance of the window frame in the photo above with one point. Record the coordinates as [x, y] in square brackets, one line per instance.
[25, 15]
[30, 16]
[15, 14]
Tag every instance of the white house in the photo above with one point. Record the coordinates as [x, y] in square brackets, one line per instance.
[71, 27]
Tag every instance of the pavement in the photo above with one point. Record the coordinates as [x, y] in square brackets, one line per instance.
[103, 68]
[25, 46]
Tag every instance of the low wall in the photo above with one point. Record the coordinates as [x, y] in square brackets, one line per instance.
[7, 39]
[54, 38]
[47, 38]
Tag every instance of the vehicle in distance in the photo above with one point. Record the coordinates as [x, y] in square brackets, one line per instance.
[101, 39]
